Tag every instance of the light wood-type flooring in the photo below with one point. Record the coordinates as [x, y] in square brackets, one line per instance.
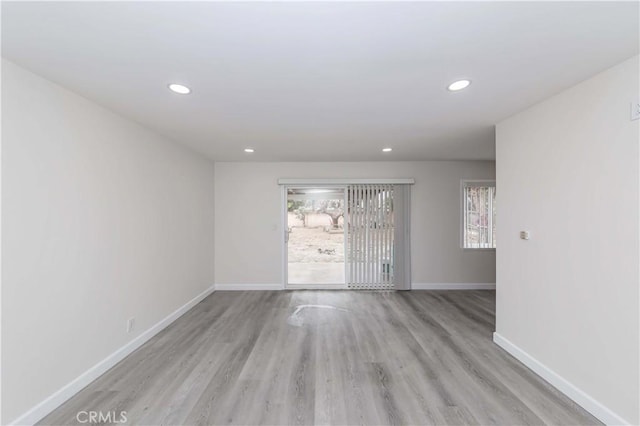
[327, 357]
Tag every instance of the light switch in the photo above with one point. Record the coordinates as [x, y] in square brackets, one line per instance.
[524, 235]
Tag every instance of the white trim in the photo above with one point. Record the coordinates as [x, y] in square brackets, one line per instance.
[323, 182]
[345, 237]
[453, 286]
[581, 398]
[464, 183]
[55, 400]
[479, 182]
[414, 286]
[248, 287]
[316, 287]
[284, 242]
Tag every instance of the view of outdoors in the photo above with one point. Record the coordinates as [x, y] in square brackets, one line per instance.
[479, 216]
[316, 236]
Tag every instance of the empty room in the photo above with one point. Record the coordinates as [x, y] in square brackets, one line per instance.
[320, 213]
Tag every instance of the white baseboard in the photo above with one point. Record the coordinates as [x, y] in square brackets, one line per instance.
[45, 407]
[414, 286]
[316, 287]
[247, 287]
[581, 398]
[453, 286]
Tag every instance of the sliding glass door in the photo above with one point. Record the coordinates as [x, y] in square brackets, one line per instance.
[349, 236]
[315, 237]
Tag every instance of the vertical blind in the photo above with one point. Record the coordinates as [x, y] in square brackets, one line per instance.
[371, 236]
[479, 214]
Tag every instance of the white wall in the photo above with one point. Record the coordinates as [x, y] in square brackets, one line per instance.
[102, 221]
[248, 218]
[567, 170]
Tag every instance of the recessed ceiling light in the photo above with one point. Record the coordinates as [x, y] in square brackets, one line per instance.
[179, 88]
[249, 150]
[458, 85]
[387, 149]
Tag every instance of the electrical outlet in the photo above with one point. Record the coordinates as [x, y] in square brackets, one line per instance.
[131, 322]
[635, 110]
[524, 235]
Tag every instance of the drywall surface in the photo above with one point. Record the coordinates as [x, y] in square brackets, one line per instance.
[102, 221]
[567, 171]
[249, 230]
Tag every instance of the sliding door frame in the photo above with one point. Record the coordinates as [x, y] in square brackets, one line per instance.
[285, 239]
[286, 183]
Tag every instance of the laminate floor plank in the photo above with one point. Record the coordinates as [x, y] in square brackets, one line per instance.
[327, 358]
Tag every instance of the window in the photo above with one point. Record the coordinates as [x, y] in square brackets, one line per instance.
[479, 214]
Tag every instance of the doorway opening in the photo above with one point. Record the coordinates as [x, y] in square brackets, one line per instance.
[315, 237]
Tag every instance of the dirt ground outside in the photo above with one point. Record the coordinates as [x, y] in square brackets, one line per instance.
[315, 245]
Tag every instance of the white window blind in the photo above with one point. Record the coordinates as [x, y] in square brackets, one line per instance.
[370, 236]
[478, 214]
[377, 242]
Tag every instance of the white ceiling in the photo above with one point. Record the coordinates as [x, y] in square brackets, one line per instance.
[321, 81]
